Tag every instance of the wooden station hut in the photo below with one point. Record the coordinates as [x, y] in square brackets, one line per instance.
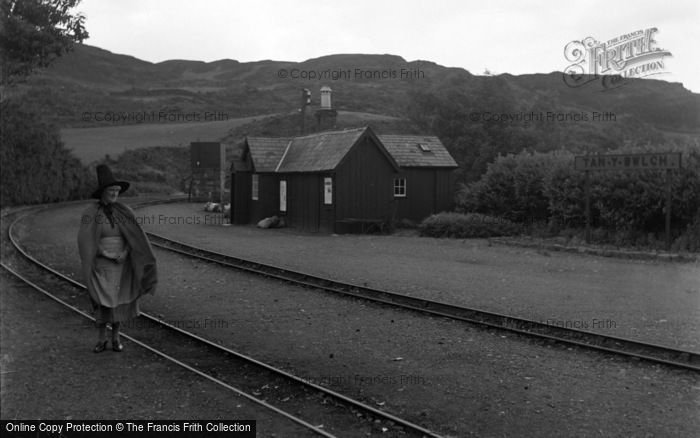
[341, 181]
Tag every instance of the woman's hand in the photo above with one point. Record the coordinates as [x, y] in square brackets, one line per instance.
[117, 257]
[121, 257]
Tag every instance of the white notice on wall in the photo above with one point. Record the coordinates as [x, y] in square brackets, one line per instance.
[327, 191]
[283, 195]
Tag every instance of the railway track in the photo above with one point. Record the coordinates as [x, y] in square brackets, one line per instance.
[550, 333]
[318, 409]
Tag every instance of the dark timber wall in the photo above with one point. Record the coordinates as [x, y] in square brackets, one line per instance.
[364, 184]
[428, 191]
[303, 200]
[268, 197]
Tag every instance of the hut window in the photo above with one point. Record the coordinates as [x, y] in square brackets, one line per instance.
[424, 147]
[254, 188]
[283, 195]
[399, 187]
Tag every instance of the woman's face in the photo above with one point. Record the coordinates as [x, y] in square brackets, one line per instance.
[110, 194]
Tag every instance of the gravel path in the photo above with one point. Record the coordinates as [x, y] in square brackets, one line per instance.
[647, 300]
[453, 378]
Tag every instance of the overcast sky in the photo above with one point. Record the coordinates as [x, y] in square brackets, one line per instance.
[502, 36]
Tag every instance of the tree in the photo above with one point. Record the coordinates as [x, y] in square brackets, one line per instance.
[36, 167]
[33, 33]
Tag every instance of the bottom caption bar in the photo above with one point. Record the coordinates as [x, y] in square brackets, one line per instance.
[115, 428]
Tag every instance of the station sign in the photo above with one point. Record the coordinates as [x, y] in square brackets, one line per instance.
[667, 161]
[651, 161]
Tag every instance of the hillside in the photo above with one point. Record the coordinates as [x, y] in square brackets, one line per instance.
[107, 103]
[93, 144]
[93, 80]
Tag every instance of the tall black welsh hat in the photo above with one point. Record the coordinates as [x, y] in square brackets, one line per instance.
[106, 179]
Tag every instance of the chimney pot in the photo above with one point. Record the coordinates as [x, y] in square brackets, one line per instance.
[326, 97]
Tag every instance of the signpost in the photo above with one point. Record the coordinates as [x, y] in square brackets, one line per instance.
[652, 161]
[658, 161]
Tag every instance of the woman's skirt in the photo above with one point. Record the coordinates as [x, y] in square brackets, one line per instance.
[113, 287]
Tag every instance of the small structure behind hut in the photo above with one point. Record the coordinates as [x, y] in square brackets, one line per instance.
[326, 115]
[209, 171]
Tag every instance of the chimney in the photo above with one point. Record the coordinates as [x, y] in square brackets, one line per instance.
[326, 115]
[326, 97]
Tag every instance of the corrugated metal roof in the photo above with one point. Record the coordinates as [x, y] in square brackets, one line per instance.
[266, 152]
[417, 151]
[319, 152]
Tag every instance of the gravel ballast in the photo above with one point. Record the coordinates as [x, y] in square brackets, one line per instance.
[452, 377]
[50, 372]
[645, 300]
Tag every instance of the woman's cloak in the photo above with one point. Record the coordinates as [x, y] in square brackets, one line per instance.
[139, 273]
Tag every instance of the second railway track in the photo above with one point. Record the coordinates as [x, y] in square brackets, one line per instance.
[323, 411]
[614, 345]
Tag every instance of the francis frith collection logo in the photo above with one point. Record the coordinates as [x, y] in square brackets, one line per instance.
[630, 55]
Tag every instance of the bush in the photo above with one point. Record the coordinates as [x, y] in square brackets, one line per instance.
[36, 167]
[467, 226]
[157, 169]
[690, 239]
[628, 207]
[631, 201]
[513, 187]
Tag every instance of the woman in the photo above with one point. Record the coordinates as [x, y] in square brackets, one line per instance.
[117, 260]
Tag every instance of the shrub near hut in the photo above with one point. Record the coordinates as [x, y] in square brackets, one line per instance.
[513, 187]
[471, 225]
[626, 207]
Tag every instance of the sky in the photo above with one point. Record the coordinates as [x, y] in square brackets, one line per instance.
[516, 37]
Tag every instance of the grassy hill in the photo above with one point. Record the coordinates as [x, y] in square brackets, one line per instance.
[92, 144]
[91, 79]
[383, 91]
[156, 156]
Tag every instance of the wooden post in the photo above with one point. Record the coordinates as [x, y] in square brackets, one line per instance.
[305, 101]
[668, 209]
[588, 207]
[649, 161]
[222, 186]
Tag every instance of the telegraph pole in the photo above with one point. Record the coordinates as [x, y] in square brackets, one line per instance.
[305, 101]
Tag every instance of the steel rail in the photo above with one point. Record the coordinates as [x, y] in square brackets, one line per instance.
[570, 336]
[174, 360]
[407, 425]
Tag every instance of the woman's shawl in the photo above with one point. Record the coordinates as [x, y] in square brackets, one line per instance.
[140, 263]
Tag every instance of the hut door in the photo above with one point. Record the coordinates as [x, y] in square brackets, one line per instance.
[240, 195]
